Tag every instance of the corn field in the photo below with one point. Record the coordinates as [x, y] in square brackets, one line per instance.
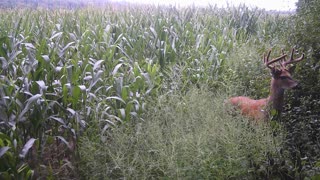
[66, 71]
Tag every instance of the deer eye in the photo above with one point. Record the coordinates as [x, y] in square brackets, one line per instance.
[284, 77]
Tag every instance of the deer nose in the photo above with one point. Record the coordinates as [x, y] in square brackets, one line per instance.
[291, 85]
[295, 84]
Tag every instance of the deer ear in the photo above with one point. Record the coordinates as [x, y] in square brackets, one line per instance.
[291, 69]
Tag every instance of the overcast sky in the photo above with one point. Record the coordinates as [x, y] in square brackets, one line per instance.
[284, 5]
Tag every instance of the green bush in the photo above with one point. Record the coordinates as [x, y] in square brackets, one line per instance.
[301, 117]
[183, 136]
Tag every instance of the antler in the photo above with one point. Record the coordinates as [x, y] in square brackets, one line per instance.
[268, 63]
[291, 60]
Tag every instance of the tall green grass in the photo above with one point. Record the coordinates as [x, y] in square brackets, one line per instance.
[184, 136]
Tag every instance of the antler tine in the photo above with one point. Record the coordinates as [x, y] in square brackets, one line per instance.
[291, 60]
[291, 56]
[284, 59]
[265, 60]
[268, 63]
[283, 54]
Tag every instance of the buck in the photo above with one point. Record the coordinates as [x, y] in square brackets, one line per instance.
[281, 80]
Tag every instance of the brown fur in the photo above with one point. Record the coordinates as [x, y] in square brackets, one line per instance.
[281, 80]
[250, 107]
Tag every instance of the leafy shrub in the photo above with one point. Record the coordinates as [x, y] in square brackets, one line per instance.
[302, 112]
[183, 136]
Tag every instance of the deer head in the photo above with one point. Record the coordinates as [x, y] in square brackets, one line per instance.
[281, 74]
[281, 80]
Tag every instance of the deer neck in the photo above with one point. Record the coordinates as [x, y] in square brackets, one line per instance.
[276, 98]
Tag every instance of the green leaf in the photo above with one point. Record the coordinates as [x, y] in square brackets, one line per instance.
[116, 68]
[315, 177]
[136, 69]
[95, 79]
[116, 98]
[4, 137]
[4, 63]
[3, 51]
[29, 102]
[124, 93]
[3, 150]
[17, 27]
[123, 113]
[42, 85]
[56, 35]
[65, 91]
[97, 64]
[27, 147]
[72, 111]
[58, 119]
[23, 167]
[65, 48]
[82, 87]
[273, 112]
[65, 141]
[29, 174]
[76, 94]
[46, 58]
[118, 84]
[154, 32]
[14, 55]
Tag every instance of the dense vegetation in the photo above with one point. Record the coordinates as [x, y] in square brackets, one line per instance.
[138, 92]
[301, 118]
